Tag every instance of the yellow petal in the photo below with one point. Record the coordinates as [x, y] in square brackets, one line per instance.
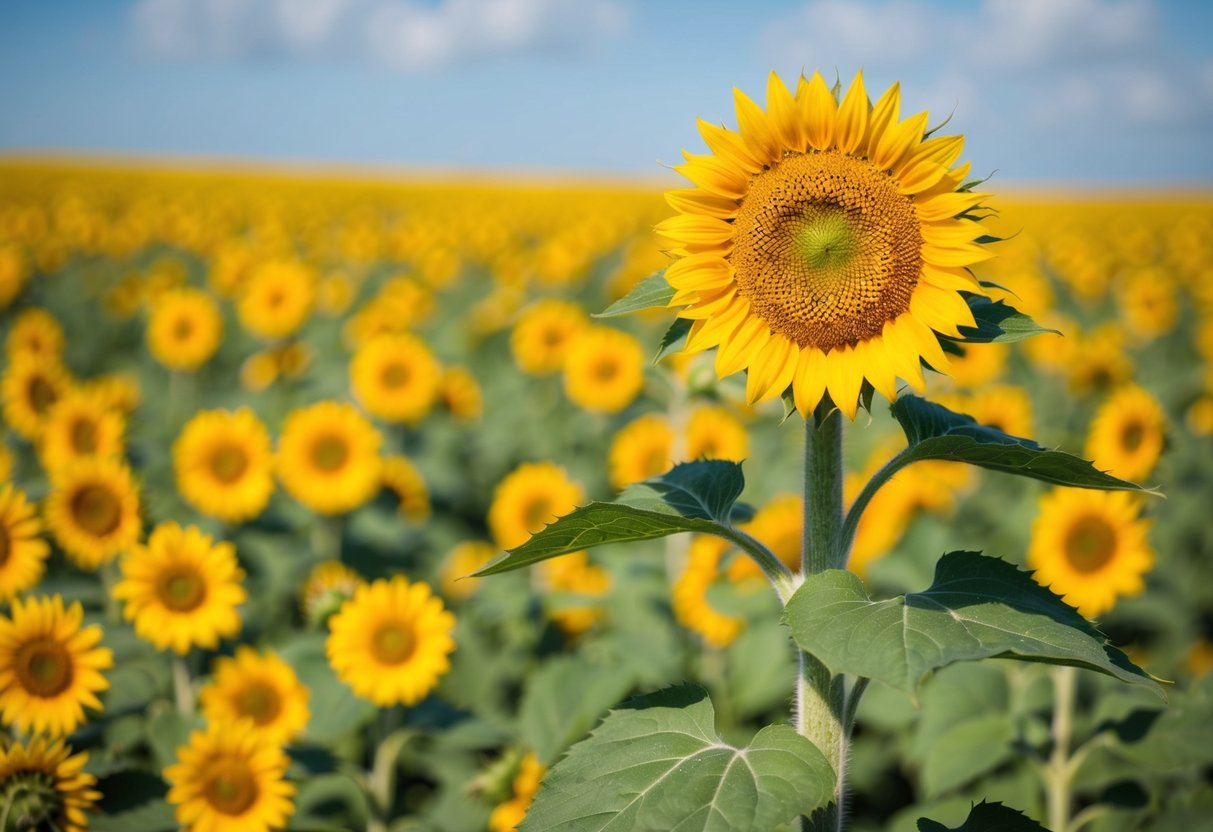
[737, 351]
[919, 177]
[925, 341]
[819, 112]
[950, 232]
[877, 368]
[760, 137]
[784, 114]
[852, 121]
[897, 141]
[693, 229]
[883, 114]
[729, 146]
[809, 383]
[957, 280]
[695, 201]
[943, 150]
[699, 271]
[844, 378]
[715, 175]
[947, 205]
[955, 255]
[709, 307]
[940, 309]
[903, 353]
[772, 371]
[719, 327]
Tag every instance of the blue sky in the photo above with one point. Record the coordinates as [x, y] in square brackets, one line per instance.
[1047, 91]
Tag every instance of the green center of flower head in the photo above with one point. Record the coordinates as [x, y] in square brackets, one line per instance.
[825, 240]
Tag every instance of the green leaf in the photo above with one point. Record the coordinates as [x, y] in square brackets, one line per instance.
[651, 293]
[966, 751]
[691, 497]
[673, 338]
[934, 432]
[167, 731]
[998, 322]
[563, 700]
[657, 763]
[978, 607]
[987, 817]
[336, 711]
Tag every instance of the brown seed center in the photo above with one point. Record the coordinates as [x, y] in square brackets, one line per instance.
[182, 590]
[42, 395]
[231, 787]
[393, 643]
[228, 463]
[1132, 435]
[329, 453]
[96, 509]
[1090, 544]
[259, 701]
[395, 375]
[83, 436]
[44, 667]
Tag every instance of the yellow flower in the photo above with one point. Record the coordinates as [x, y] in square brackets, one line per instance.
[1002, 406]
[182, 589]
[329, 585]
[14, 272]
[1128, 434]
[93, 510]
[713, 433]
[690, 594]
[395, 377]
[980, 364]
[506, 816]
[541, 337]
[459, 393]
[230, 778]
[1097, 361]
[31, 384]
[531, 496]
[390, 642]
[118, 391]
[779, 525]
[259, 370]
[50, 666]
[882, 524]
[403, 478]
[1148, 303]
[224, 464]
[260, 687]
[328, 457]
[642, 449]
[573, 574]
[464, 559]
[22, 551]
[37, 331]
[46, 785]
[604, 371]
[822, 244]
[277, 299]
[184, 329]
[80, 425]
[1090, 547]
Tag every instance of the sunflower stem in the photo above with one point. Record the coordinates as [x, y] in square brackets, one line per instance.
[381, 779]
[183, 690]
[820, 697]
[1058, 773]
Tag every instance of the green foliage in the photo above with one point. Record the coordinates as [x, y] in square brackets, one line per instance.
[987, 817]
[657, 763]
[651, 293]
[977, 607]
[563, 700]
[998, 322]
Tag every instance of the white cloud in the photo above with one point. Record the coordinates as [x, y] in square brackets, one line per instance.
[403, 34]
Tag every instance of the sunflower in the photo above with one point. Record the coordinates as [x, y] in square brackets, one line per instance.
[460, 395]
[276, 299]
[1148, 303]
[30, 385]
[260, 687]
[259, 370]
[574, 575]
[93, 510]
[14, 272]
[50, 666]
[184, 329]
[182, 589]
[690, 594]
[36, 331]
[45, 785]
[779, 525]
[713, 433]
[1090, 547]
[531, 496]
[1097, 361]
[224, 464]
[641, 449]
[543, 333]
[395, 377]
[405, 481]
[823, 244]
[980, 364]
[117, 391]
[329, 585]
[464, 559]
[22, 551]
[1007, 408]
[506, 816]
[328, 457]
[390, 642]
[229, 778]
[6, 461]
[604, 371]
[1128, 434]
[80, 425]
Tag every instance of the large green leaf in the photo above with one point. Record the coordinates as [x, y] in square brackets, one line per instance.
[651, 293]
[563, 700]
[934, 432]
[998, 322]
[691, 497]
[987, 817]
[657, 763]
[978, 607]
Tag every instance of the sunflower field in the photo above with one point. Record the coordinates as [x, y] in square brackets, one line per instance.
[340, 503]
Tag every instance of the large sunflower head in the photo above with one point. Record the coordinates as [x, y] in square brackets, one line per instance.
[1090, 547]
[50, 666]
[80, 425]
[22, 550]
[93, 510]
[45, 786]
[230, 777]
[31, 385]
[823, 244]
[184, 329]
[390, 642]
[182, 589]
[328, 457]
[260, 687]
[225, 464]
[531, 496]
[1128, 434]
[396, 377]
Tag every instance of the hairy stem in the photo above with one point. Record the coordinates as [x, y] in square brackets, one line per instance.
[1058, 772]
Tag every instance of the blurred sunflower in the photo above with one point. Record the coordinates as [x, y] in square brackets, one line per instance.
[641, 449]
[329, 585]
[531, 496]
[224, 464]
[50, 666]
[464, 559]
[1090, 547]
[31, 384]
[460, 395]
[980, 364]
[184, 329]
[117, 391]
[541, 337]
[604, 370]
[181, 590]
[395, 377]
[1007, 408]
[77, 426]
[230, 778]
[277, 299]
[714, 433]
[405, 481]
[14, 272]
[689, 595]
[574, 575]
[260, 687]
[822, 244]
[1097, 361]
[506, 816]
[93, 510]
[1128, 434]
[390, 642]
[46, 786]
[778, 525]
[22, 550]
[1148, 303]
[36, 331]
[328, 457]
